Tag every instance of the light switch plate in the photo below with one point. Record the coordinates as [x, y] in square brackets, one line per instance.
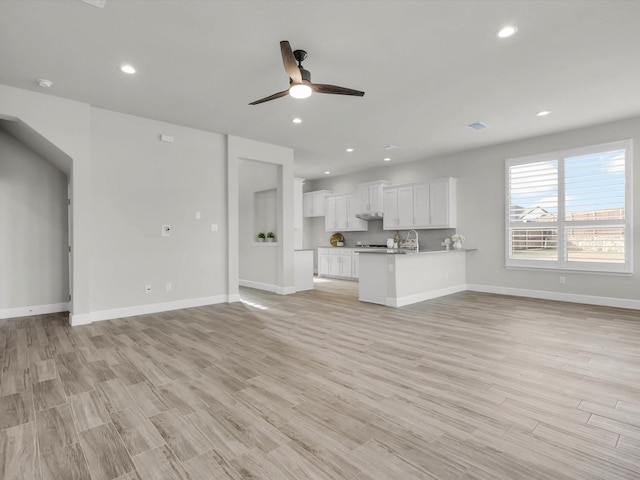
[214, 227]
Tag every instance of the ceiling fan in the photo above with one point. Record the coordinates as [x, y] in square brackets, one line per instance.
[300, 85]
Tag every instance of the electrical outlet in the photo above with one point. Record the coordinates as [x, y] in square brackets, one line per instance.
[166, 230]
[198, 216]
[147, 289]
[168, 287]
[563, 280]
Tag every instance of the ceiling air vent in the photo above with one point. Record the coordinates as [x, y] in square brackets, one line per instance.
[95, 3]
[477, 125]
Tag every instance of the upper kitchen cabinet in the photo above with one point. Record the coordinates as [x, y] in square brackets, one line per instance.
[425, 205]
[340, 214]
[443, 205]
[371, 198]
[314, 203]
[397, 207]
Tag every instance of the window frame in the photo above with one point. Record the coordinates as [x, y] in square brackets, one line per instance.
[562, 225]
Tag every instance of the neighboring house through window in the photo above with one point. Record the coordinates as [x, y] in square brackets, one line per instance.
[571, 210]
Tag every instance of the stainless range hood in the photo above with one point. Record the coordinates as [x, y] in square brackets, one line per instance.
[369, 216]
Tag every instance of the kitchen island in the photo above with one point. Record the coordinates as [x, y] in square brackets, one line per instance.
[397, 278]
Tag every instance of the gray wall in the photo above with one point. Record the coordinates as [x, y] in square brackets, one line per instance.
[481, 203]
[139, 184]
[258, 262]
[125, 184]
[34, 259]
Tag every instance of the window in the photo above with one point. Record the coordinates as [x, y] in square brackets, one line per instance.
[571, 210]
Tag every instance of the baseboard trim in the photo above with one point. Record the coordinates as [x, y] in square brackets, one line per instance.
[233, 298]
[80, 319]
[421, 297]
[285, 290]
[34, 310]
[257, 285]
[145, 309]
[558, 296]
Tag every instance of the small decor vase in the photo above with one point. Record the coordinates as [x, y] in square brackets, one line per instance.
[457, 245]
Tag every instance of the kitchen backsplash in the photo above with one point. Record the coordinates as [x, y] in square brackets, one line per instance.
[429, 239]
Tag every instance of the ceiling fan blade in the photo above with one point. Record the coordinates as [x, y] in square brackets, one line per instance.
[271, 97]
[321, 88]
[290, 65]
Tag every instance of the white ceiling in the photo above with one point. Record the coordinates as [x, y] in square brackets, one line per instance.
[427, 67]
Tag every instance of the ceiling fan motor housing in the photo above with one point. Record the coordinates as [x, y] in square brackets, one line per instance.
[300, 55]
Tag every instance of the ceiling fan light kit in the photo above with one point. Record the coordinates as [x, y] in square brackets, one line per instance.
[300, 85]
[300, 90]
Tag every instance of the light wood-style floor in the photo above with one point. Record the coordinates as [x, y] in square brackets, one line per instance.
[320, 386]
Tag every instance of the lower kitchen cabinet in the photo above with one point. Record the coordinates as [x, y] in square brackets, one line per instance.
[336, 262]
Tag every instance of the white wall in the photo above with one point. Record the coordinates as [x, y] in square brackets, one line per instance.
[258, 261]
[65, 124]
[481, 203]
[241, 149]
[34, 258]
[139, 184]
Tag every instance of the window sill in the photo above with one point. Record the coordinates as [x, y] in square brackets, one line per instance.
[265, 244]
[568, 270]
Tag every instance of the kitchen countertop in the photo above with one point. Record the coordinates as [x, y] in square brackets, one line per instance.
[399, 251]
[352, 247]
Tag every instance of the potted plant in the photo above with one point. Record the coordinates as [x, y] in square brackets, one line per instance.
[458, 240]
[260, 237]
[270, 237]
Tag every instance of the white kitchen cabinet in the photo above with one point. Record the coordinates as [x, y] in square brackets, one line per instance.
[420, 206]
[340, 214]
[314, 203]
[443, 203]
[330, 219]
[335, 262]
[371, 196]
[355, 265]
[354, 207]
[405, 207]
[397, 207]
[323, 261]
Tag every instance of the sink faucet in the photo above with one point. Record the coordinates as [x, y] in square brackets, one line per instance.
[417, 244]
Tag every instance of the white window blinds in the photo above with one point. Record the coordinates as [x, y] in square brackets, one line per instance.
[571, 210]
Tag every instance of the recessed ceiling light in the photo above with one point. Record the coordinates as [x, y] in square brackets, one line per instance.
[127, 69]
[96, 3]
[327, 173]
[543, 113]
[477, 125]
[297, 120]
[349, 149]
[44, 83]
[507, 31]
[387, 159]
